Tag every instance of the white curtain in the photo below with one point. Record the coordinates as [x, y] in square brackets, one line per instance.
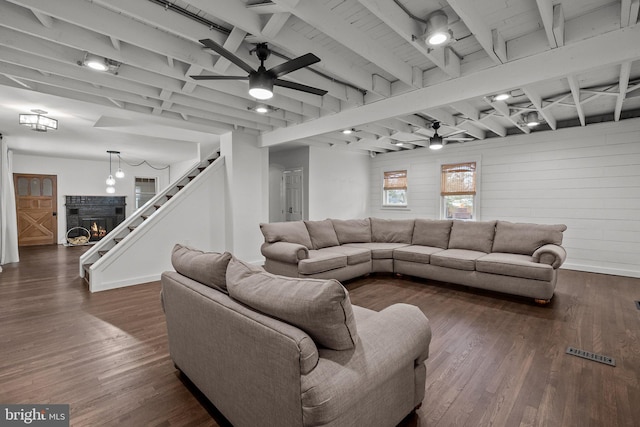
[8, 220]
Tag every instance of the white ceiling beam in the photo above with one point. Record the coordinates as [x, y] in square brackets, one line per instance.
[545, 7]
[444, 117]
[629, 12]
[491, 123]
[410, 30]
[275, 24]
[396, 125]
[468, 12]
[170, 62]
[483, 82]
[537, 102]
[18, 81]
[232, 43]
[116, 103]
[625, 70]
[336, 27]
[558, 24]
[44, 19]
[115, 42]
[472, 130]
[467, 110]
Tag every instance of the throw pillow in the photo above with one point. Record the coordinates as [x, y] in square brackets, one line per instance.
[321, 308]
[352, 230]
[322, 234]
[208, 268]
[523, 238]
[432, 232]
[292, 232]
[472, 235]
[391, 230]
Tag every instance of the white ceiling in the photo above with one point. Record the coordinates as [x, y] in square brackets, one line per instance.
[574, 62]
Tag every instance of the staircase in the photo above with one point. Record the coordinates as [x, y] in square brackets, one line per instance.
[96, 263]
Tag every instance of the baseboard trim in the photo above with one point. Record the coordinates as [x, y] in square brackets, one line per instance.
[601, 270]
[128, 282]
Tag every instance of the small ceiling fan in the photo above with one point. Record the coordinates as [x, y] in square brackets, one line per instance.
[261, 81]
[436, 141]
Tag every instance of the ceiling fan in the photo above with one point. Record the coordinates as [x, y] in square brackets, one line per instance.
[261, 81]
[436, 141]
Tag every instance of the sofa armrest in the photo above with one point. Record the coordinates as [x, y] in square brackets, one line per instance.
[284, 251]
[553, 255]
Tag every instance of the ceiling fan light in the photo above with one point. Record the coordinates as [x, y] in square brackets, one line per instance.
[260, 86]
[435, 143]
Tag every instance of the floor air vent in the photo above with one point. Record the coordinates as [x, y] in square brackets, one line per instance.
[592, 356]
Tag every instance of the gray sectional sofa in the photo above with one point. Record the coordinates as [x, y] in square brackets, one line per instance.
[269, 350]
[515, 258]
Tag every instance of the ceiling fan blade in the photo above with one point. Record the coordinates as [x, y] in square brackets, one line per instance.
[225, 53]
[298, 86]
[294, 64]
[219, 77]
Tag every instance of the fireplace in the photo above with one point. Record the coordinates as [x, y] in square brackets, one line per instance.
[97, 214]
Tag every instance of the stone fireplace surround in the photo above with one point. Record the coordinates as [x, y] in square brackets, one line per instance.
[98, 214]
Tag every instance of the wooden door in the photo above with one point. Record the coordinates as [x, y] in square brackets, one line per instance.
[36, 206]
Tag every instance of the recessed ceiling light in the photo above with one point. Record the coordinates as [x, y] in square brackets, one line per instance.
[96, 62]
[437, 31]
[347, 131]
[501, 97]
[262, 109]
[532, 119]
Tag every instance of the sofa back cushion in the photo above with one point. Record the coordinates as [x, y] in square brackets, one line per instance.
[322, 234]
[472, 235]
[523, 238]
[321, 308]
[292, 232]
[352, 230]
[391, 230]
[208, 268]
[432, 232]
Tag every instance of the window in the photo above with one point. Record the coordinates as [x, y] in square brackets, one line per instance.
[395, 188]
[145, 190]
[458, 190]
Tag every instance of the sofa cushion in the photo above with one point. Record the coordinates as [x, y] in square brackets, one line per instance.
[208, 268]
[352, 230]
[460, 259]
[514, 265]
[432, 232]
[322, 233]
[354, 255]
[291, 231]
[378, 250]
[320, 261]
[523, 238]
[391, 230]
[472, 235]
[321, 308]
[415, 253]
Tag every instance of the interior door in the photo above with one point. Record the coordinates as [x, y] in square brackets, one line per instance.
[36, 206]
[293, 194]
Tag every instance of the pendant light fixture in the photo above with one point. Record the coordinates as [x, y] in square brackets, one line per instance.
[119, 172]
[110, 179]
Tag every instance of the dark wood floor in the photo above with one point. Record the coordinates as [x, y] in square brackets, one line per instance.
[495, 360]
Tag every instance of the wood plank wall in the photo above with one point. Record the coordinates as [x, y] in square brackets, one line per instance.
[587, 178]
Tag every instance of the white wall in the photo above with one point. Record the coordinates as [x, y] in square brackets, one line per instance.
[587, 178]
[338, 184]
[85, 178]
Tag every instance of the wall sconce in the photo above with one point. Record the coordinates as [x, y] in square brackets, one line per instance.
[37, 121]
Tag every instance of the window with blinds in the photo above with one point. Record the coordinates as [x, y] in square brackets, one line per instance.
[458, 190]
[394, 188]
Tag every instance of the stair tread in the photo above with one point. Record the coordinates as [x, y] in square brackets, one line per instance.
[102, 253]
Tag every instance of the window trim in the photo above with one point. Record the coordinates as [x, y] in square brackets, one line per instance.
[406, 188]
[477, 214]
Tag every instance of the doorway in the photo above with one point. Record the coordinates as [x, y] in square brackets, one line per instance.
[36, 209]
[293, 194]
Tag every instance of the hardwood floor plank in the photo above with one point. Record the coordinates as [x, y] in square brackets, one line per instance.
[494, 359]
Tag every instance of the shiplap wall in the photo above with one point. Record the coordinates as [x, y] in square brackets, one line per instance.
[587, 178]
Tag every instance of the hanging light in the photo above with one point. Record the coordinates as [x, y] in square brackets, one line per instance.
[37, 121]
[437, 32]
[110, 181]
[119, 172]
